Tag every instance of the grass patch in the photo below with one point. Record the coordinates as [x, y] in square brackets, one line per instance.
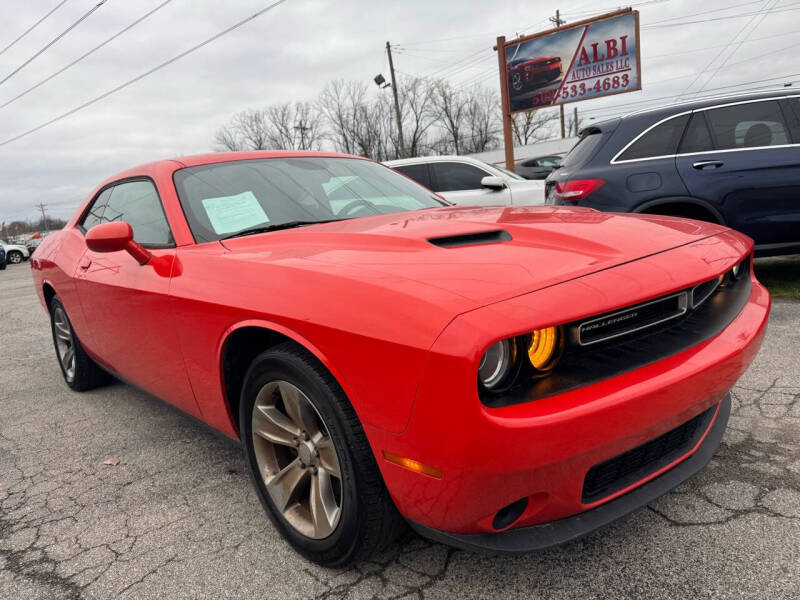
[780, 275]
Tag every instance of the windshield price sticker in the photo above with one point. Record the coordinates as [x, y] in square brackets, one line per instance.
[229, 214]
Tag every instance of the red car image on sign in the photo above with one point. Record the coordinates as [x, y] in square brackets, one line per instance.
[499, 378]
[529, 73]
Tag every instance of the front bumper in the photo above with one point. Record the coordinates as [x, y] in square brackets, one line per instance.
[539, 537]
[542, 450]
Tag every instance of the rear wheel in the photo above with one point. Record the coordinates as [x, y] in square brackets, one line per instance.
[80, 372]
[310, 461]
[14, 257]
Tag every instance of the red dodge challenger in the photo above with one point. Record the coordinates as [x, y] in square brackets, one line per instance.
[529, 73]
[500, 378]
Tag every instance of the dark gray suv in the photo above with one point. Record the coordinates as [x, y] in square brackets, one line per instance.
[733, 160]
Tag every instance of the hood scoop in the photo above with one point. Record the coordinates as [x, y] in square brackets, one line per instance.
[471, 239]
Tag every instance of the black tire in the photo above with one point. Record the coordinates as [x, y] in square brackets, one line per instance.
[3, 266]
[369, 521]
[14, 257]
[87, 374]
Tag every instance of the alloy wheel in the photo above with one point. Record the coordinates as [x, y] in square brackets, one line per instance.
[297, 460]
[65, 346]
[14, 258]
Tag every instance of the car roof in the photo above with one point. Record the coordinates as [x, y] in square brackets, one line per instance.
[219, 157]
[428, 159]
[704, 102]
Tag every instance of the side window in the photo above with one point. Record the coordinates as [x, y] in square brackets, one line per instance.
[417, 172]
[697, 137]
[94, 215]
[137, 203]
[662, 140]
[549, 161]
[452, 176]
[750, 125]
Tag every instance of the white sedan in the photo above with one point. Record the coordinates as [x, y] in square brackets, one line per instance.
[15, 253]
[468, 181]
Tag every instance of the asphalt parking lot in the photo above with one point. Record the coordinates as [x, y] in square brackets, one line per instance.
[177, 518]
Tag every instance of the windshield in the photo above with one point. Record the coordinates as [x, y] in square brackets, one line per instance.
[508, 173]
[224, 198]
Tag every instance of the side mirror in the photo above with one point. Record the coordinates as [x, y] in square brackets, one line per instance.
[493, 183]
[116, 236]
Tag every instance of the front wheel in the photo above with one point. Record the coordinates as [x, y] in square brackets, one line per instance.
[14, 257]
[310, 461]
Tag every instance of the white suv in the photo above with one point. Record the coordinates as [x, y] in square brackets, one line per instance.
[15, 253]
[468, 181]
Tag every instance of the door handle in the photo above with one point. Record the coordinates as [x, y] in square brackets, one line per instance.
[707, 164]
[85, 264]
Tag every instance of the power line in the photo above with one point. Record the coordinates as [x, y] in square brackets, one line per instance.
[145, 74]
[705, 12]
[85, 55]
[695, 50]
[53, 41]
[781, 9]
[718, 55]
[34, 26]
[756, 22]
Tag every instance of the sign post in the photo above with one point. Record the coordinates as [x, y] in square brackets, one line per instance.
[508, 136]
[588, 59]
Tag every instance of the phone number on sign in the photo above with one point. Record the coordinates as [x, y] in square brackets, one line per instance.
[577, 90]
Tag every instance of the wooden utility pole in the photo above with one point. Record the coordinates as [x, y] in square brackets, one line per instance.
[42, 206]
[505, 104]
[575, 119]
[396, 103]
[558, 22]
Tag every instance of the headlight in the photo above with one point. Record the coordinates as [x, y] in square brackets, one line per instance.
[498, 364]
[511, 359]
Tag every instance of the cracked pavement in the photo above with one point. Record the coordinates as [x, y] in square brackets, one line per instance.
[176, 518]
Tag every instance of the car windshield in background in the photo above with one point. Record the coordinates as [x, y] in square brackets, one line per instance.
[224, 198]
[508, 173]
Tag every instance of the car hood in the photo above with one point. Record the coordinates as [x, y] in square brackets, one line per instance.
[511, 251]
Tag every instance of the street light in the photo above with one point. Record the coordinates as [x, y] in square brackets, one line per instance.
[381, 82]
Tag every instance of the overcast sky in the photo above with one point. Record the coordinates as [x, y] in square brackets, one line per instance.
[288, 54]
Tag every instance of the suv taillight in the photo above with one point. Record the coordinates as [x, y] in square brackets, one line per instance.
[578, 189]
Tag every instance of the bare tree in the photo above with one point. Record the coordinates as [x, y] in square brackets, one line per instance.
[436, 117]
[356, 123]
[248, 130]
[226, 139]
[533, 126]
[483, 124]
[295, 126]
[278, 127]
[450, 113]
[417, 115]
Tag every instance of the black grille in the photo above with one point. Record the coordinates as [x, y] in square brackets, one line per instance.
[625, 469]
[583, 365]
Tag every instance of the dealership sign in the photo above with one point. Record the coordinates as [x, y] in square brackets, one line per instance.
[589, 59]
